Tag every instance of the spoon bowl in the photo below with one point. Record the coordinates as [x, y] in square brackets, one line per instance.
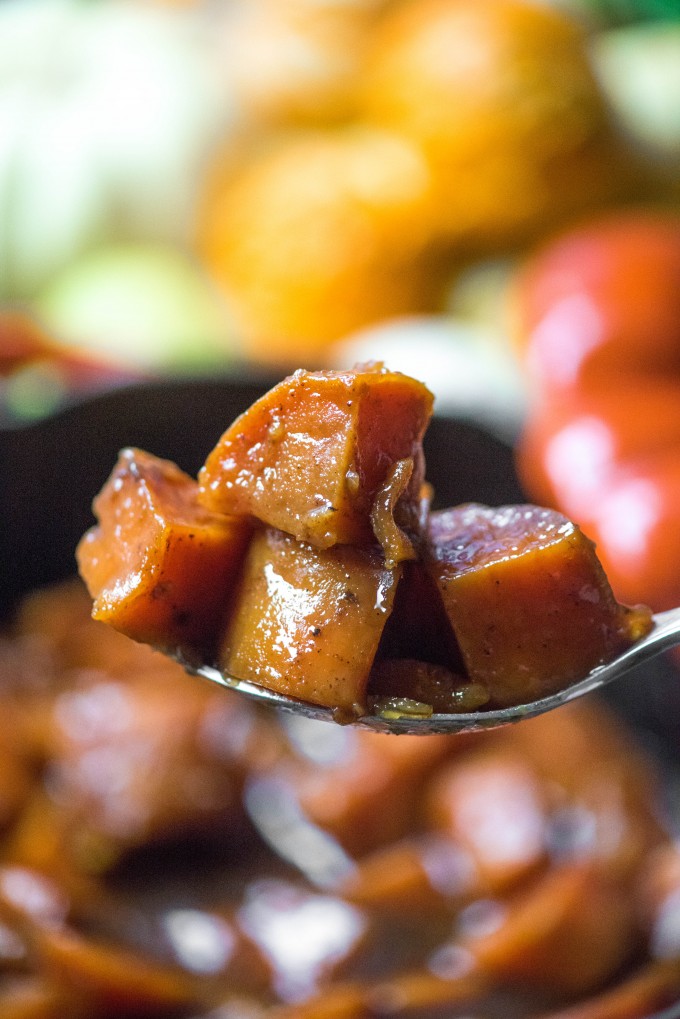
[664, 634]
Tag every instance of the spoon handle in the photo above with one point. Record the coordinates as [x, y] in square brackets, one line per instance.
[664, 635]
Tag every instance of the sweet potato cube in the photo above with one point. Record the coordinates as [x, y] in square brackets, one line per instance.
[527, 598]
[495, 807]
[113, 980]
[158, 565]
[371, 791]
[311, 455]
[569, 931]
[306, 621]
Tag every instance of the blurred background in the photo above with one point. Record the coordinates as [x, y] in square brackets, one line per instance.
[483, 193]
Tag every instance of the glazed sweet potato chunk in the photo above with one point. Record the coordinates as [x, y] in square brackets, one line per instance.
[311, 455]
[370, 791]
[158, 565]
[113, 980]
[527, 598]
[494, 806]
[306, 621]
[570, 931]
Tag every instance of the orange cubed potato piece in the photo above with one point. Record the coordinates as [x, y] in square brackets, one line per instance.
[307, 622]
[527, 598]
[311, 455]
[415, 874]
[158, 565]
[113, 980]
[618, 791]
[337, 1001]
[569, 932]
[32, 997]
[369, 789]
[142, 765]
[495, 807]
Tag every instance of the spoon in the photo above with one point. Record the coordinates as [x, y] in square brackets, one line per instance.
[664, 634]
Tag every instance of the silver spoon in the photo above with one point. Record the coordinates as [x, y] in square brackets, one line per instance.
[665, 634]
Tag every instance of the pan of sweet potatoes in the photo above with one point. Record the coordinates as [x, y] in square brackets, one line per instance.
[170, 850]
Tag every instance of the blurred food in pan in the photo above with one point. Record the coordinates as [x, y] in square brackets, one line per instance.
[169, 850]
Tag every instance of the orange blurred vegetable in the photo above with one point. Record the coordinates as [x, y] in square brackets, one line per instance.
[501, 96]
[320, 235]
